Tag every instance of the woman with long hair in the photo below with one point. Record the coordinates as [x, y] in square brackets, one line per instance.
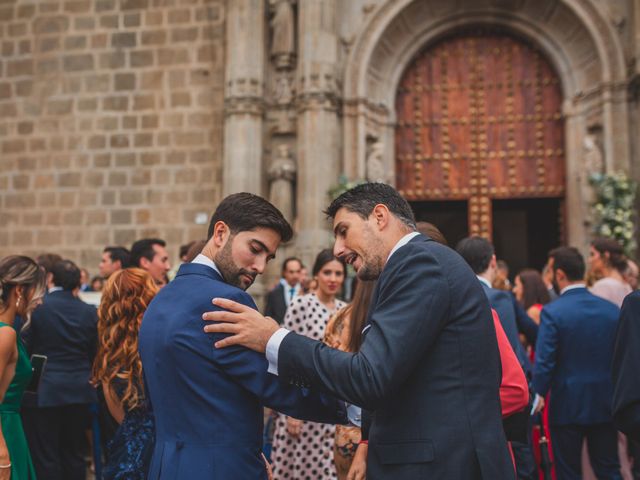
[608, 262]
[22, 286]
[304, 450]
[531, 292]
[118, 368]
[344, 332]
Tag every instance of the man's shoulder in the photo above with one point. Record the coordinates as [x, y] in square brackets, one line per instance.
[277, 289]
[199, 289]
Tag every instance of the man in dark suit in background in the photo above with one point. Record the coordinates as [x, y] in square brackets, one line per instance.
[428, 368]
[64, 329]
[150, 254]
[573, 361]
[280, 297]
[112, 260]
[479, 253]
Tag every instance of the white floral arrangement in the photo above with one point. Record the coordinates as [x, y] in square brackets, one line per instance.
[614, 208]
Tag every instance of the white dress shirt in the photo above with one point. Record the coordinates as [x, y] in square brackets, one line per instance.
[572, 287]
[273, 345]
[204, 260]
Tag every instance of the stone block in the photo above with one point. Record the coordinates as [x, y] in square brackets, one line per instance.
[47, 66]
[97, 142]
[84, 23]
[50, 24]
[96, 217]
[69, 179]
[129, 122]
[124, 236]
[182, 15]
[10, 110]
[25, 11]
[153, 18]
[188, 139]
[188, 34]
[151, 80]
[94, 179]
[120, 217]
[119, 141]
[37, 145]
[25, 128]
[112, 60]
[105, 5]
[49, 238]
[13, 146]
[44, 180]
[125, 81]
[59, 107]
[142, 58]
[77, 63]
[173, 56]
[23, 238]
[150, 121]
[20, 200]
[186, 176]
[20, 181]
[144, 102]
[143, 140]
[100, 40]
[117, 179]
[148, 159]
[107, 123]
[109, 21]
[119, 104]
[24, 88]
[123, 40]
[17, 29]
[177, 79]
[48, 44]
[97, 83]
[108, 197]
[134, 4]
[162, 176]
[17, 68]
[76, 42]
[72, 218]
[53, 217]
[181, 99]
[102, 160]
[87, 105]
[143, 216]
[176, 158]
[153, 37]
[24, 47]
[132, 20]
[26, 164]
[200, 157]
[5, 90]
[141, 177]
[131, 197]
[125, 159]
[7, 49]
[79, 6]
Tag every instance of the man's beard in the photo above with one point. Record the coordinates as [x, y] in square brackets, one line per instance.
[371, 269]
[231, 273]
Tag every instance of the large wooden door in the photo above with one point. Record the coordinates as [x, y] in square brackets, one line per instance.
[479, 118]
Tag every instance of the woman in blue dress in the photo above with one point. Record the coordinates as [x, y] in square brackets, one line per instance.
[117, 367]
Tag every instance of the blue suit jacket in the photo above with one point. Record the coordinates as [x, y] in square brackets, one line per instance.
[207, 402]
[504, 304]
[63, 328]
[428, 371]
[573, 357]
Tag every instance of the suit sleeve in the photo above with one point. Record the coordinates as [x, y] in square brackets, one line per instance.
[514, 390]
[268, 309]
[412, 306]
[249, 369]
[526, 325]
[546, 353]
[625, 367]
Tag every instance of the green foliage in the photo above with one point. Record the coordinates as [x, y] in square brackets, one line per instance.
[614, 208]
[343, 185]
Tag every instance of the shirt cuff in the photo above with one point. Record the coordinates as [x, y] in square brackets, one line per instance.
[273, 346]
[354, 414]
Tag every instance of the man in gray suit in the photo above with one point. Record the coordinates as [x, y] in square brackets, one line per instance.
[428, 368]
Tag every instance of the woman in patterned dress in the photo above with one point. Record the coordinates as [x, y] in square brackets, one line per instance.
[304, 450]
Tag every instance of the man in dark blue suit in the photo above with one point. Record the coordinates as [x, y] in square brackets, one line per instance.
[573, 361]
[208, 403]
[479, 253]
[64, 329]
[428, 368]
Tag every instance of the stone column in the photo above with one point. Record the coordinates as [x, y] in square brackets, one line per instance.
[318, 128]
[244, 102]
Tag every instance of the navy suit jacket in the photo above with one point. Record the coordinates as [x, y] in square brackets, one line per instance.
[504, 304]
[276, 306]
[428, 370]
[63, 328]
[625, 368]
[573, 357]
[207, 402]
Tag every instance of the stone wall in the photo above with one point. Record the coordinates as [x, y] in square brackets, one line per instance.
[111, 118]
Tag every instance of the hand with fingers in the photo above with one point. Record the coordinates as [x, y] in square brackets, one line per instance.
[246, 326]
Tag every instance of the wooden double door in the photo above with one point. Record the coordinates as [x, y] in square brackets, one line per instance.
[480, 143]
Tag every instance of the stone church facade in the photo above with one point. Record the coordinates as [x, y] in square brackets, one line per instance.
[130, 118]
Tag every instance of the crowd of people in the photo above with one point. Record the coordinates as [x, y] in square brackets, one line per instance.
[434, 364]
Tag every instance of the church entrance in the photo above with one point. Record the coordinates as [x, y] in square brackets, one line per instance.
[480, 143]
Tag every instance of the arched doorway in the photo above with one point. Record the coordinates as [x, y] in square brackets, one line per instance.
[480, 143]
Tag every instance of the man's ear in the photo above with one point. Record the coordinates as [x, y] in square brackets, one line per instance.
[118, 264]
[221, 234]
[144, 263]
[493, 263]
[381, 215]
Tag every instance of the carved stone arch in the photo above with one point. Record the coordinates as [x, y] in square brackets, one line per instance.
[572, 34]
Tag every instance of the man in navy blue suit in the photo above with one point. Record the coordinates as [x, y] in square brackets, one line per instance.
[207, 403]
[429, 367]
[573, 360]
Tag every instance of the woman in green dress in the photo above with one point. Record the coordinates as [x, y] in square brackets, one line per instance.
[22, 284]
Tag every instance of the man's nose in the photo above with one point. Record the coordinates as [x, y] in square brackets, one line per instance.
[338, 248]
[259, 265]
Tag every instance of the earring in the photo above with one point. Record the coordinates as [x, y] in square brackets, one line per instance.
[18, 302]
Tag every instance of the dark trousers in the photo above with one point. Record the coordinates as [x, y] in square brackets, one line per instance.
[602, 443]
[57, 440]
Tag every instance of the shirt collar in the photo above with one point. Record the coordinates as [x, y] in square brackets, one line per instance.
[572, 287]
[204, 260]
[402, 242]
[288, 287]
[55, 289]
[485, 281]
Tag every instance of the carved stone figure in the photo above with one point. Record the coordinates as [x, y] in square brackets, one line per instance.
[376, 171]
[283, 91]
[282, 175]
[283, 34]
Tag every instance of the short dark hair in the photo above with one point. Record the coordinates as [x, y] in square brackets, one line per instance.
[120, 254]
[184, 249]
[243, 212]
[290, 259]
[144, 249]
[363, 198]
[48, 260]
[477, 252]
[66, 274]
[570, 261]
[613, 251]
[325, 256]
[431, 231]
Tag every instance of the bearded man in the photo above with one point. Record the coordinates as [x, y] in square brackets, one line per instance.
[207, 403]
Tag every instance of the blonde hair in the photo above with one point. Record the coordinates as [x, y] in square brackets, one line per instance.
[21, 271]
[125, 298]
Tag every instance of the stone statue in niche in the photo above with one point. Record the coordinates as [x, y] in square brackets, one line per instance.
[282, 24]
[282, 175]
[376, 171]
[593, 162]
[283, 90]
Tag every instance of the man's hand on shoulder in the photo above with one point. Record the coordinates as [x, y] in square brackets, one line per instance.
[247, 326]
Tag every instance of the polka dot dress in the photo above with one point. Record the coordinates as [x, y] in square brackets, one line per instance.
[309, 456]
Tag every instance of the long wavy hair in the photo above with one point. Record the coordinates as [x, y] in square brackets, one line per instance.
[125, 298]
